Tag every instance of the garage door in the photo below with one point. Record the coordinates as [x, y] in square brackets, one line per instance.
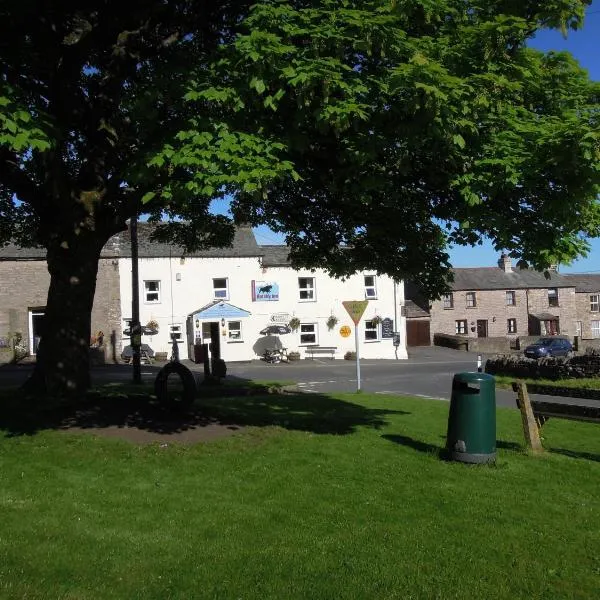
[417, 333]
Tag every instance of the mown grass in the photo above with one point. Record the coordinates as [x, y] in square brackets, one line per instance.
[339, 496]
[505, 382]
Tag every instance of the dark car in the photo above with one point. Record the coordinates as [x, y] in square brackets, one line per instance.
[549, 346]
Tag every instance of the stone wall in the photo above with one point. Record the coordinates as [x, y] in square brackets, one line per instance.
[583, 366]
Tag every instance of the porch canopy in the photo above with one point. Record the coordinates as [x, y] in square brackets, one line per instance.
[218, 310]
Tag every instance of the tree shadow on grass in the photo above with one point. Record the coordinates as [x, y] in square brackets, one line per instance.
[227, 407]
[404, 440]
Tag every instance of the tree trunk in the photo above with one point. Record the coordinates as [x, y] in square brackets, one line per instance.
[63, 363]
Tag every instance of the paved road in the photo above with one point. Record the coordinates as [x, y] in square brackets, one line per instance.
[427, 373]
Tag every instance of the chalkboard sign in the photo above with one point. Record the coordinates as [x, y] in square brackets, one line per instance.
[387, 328]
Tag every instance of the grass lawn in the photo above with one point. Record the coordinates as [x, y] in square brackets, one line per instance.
[505, 381]
[335, 497]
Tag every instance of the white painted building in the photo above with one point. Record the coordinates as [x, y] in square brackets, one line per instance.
[243, 289]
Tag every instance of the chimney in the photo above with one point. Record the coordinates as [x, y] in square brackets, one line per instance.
[505, 263]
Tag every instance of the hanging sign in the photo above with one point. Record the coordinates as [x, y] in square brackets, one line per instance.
[356, 309]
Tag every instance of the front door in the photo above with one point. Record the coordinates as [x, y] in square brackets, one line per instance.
[482, 328]
[36, 319]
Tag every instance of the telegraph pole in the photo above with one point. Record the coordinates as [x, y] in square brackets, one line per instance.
[135, 329]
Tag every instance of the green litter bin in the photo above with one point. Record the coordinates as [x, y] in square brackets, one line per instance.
[472, 419]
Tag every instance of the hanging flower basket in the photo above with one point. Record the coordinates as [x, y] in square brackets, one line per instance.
[332, 322]
[376, 320]
[294, 324]
[151, 327]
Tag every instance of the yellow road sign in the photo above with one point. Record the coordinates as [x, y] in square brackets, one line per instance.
[356, 309]
[345, 331]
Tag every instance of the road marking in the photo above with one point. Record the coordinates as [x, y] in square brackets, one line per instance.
[396, 393]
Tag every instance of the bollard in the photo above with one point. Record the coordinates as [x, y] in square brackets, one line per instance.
[479, 367]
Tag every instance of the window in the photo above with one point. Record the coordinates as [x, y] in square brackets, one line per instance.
[552, 297]
[511, 299]
[595, 329]
[220, 288]
[234, 331]
[371, 331]
[471, 299]
[448, 301]
[370, 287]
[460, 327]
[578, 328]
[175, 332]
[594, 298]
[306, 287]
[511, 326]
[152, 292]
[308, 333]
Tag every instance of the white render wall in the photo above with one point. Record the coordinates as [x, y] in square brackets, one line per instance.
[186, 285]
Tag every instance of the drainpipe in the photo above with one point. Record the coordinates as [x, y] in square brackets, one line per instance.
[136, 331]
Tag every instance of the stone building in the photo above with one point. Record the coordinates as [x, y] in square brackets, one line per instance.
[24, 283]
[504, 302]
[587, 299]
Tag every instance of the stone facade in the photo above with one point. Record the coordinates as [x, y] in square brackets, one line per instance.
[24, 290]
[490, 307]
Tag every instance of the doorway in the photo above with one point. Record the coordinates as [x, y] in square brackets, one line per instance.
[36, 323]
[482, 328]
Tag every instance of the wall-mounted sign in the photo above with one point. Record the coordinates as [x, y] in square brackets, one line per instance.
[345, 331]
[265, 291]
[356, 309]
[280, 318]
[387, 328]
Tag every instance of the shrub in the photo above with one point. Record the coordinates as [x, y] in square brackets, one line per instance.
[293, 355]
[350, 355]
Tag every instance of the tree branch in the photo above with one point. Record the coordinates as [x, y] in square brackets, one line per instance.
[18, 181]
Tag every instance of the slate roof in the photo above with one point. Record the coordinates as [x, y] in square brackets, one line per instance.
[244, 245]
[584, 282]
[414, 311]
[275, 256]
[495, 278]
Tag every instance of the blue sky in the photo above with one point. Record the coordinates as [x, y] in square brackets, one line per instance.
[585, 47]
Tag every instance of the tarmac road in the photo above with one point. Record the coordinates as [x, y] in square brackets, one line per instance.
[427, 373]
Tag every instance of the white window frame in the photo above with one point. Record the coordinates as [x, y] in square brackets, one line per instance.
[594, 302]
[177, 329]
[370, 288]
[448, 301]
[471, 296]
[311, 292]
[458, 326]
[510, 329]
[553, 294]
[148, 292]
[234, 334]
[511, 298]
[314, 332]
[595, 327]
[220, 292]
[370, 329]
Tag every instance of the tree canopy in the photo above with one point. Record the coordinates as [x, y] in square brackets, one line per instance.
[372, 133]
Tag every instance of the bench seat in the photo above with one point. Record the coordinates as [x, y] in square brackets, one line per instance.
[312, 350]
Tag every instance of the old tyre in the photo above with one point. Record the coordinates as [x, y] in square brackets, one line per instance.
[184, 398]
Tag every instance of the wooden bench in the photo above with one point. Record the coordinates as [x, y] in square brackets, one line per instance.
[312, 350]
[535, 413]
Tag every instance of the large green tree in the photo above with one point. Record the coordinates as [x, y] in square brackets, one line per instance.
[372, 133]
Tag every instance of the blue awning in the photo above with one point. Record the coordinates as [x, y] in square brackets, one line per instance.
[219, 310]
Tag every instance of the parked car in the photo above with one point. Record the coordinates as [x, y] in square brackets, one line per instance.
[549, 346]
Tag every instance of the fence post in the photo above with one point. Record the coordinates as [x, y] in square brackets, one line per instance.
[530, 426]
